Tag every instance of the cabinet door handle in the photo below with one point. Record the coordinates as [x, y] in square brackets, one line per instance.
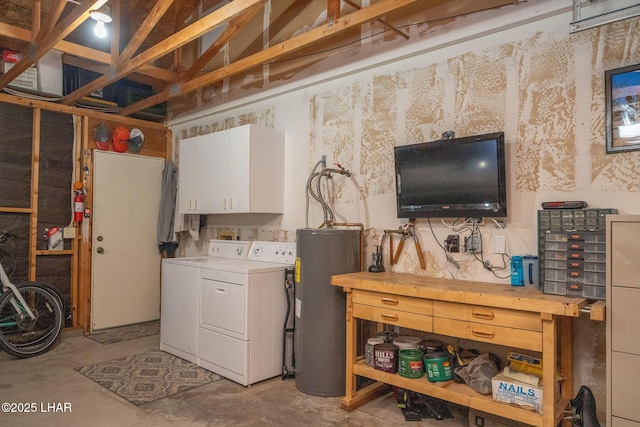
[482, 334]
[391, 317]
[231, 202]
[224, 204]
[488, 315]
[195, 204]
[389, 301]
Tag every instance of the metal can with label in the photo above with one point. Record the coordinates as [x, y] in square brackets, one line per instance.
[386, 357]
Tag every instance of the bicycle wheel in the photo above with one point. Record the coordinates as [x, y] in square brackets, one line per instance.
[20, 335]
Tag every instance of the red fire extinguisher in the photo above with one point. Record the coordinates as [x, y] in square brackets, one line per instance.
[78, 206]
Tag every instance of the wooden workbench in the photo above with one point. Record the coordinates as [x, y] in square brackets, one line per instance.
[514, 317]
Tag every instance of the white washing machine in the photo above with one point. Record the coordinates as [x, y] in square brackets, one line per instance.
[243, 305]
[179, 313]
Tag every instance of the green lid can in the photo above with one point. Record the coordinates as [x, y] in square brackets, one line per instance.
[410, 364]
[438, 367]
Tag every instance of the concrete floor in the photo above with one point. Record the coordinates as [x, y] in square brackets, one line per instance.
[50, 378]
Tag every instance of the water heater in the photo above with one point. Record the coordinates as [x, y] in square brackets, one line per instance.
[320, 308]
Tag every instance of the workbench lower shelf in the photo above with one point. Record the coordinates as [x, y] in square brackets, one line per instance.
[450, 391]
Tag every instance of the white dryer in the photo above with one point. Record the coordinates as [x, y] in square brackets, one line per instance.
[179, 312]
[243, 307]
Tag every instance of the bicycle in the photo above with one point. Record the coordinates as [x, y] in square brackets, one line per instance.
[31, 313]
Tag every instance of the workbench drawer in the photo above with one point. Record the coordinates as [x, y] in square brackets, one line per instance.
[389, 316]
[507, 336]
[395, 302]
[513, 319]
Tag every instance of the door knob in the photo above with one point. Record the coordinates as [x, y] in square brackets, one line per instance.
[100, 250]
[100, 238]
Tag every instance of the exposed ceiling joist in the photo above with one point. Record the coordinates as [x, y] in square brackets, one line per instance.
[168, 45]
[145, 29]
[234, 26]
[79, 51]
[153, 42]
[343, 23]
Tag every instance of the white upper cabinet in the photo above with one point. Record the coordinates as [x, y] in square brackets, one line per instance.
[239, 170]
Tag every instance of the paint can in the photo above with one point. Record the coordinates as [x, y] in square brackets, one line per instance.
[438, 366]
[410, 364]
[386, 357]
[407, 342]
[430, 346]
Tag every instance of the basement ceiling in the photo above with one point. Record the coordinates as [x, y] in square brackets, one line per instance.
[175, 48]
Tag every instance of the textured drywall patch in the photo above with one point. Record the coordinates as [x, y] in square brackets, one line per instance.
[546, 152]
[334, 132]
[480, 80]
[379, 135]
[424, 115]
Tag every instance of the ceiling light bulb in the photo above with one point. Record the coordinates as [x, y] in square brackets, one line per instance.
[100, 16]
[100, 30]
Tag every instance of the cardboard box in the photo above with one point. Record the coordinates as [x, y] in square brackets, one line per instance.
[507, 390]
[482, 419]
[28, 79]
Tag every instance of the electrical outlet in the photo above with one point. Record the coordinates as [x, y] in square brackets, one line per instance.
[500, 243]
[473, 243]
[452, 243]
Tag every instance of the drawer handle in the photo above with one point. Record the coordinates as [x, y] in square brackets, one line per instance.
[488, 315]
[390, 301]
[391, 317]
[482, 334]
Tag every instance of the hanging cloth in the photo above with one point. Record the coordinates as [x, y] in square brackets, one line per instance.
[166, 215]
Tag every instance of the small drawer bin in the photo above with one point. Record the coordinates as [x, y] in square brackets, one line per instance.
[555, 288]
[594, 292]
[575, 245]
[579, 222]
[555, 246]
[595, 247]
[575, 255]
[591, 278]
[573, 235]
[557, 255]
[575, 275]
[595, 238]
[555, 237]
[575, 263]
[595, 266]
[551, 263]
[595, 257]
[555, 275]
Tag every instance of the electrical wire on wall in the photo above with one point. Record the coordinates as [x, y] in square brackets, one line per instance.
[473, 246]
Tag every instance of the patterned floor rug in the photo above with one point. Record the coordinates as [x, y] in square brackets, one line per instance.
[143, 378]
[124, 333]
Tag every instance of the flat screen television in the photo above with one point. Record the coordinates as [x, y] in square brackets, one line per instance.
[451, 178]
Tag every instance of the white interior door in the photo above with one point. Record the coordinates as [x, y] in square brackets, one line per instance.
[125, 286]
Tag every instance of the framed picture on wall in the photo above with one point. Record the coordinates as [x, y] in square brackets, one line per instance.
[622, 96]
